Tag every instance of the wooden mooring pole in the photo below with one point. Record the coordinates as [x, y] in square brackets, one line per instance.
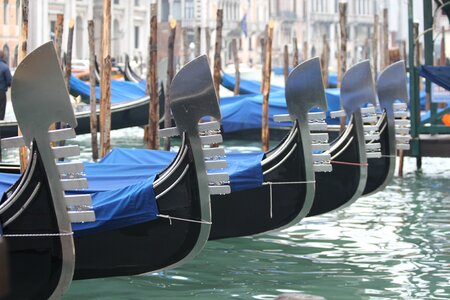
[295, 58]
[237, 74]
[23, 152]
[286, 63]
[325, 59]
[170, 74]
[217, 51]
[343, 50]
[305, 50]
[105, 81]
[263, 42]
[385, 38]
[68, 67]
[375, 42]
[92, 95]
[59, 27]
[151, 135]
[266, 91]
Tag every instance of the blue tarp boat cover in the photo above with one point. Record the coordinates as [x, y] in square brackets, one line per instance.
[121, 185]
[437, 74]
[120, 90]
[245, 112]
[246, 86]
[244, 168]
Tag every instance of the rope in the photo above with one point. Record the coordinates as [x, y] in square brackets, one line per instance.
[183, 219]
[348, 163]
[281, 183]
[36, 234]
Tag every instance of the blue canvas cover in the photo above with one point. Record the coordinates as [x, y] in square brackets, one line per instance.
[122, 195]
[244, 168]
[437, 74]
[120, 207]
[120, 90]
[246, 86]
[245, 112]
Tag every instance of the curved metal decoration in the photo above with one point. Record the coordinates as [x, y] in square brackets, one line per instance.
[29, 97]
[193, 97]
[357, 87]
[304, 91]
[391, 86]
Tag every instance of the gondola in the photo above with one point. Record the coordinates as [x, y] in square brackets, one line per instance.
[346, 182]
[123, 115]
[128, 73]
[35, 212]
[391, 86]
[182, 195]
[288, 170]
[160, 223]
[275, 189]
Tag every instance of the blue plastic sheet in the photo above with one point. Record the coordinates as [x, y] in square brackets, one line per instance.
[246, 86]
[120, 90]
[244, 168]
[245, 112]
[437, 74]
[117, 208]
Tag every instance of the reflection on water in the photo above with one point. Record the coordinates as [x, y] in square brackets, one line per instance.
[391, 245]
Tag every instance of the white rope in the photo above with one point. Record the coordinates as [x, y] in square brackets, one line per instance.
[183, 219]
[281, 183]
[36, 234]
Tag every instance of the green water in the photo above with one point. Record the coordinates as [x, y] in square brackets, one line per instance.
[391, 245]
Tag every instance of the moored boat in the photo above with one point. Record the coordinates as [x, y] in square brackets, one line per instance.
[35, 212]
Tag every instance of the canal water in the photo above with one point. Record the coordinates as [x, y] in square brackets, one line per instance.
[391, 245]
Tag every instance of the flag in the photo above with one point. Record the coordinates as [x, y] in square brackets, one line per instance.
[243, 25]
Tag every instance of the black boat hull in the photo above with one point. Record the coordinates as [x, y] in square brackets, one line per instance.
[34, 242]
[149, 246]
[264, 208]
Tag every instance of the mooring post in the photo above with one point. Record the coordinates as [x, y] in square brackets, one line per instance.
[59, 27]
[385, 38]
[263, 42]
[23, 152]
[68, 67]
[375, 42]
[286, 62]
[170, 74]
[305, 50]
[237, 74]
[343, 50]
[217, 51]
[198, 40]
[325, 58]
[295, 54]
[92, 95]
[151, 135]
[105, 81]
[266, 91]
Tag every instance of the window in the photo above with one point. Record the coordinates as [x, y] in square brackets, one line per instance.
[136, 37]
[5, 11]
[165, 10]
[116, 2]
[6, 53]
[136, 3]
[176, 9]
[189, 9]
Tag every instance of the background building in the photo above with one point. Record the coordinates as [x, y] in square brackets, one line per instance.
[245, 21]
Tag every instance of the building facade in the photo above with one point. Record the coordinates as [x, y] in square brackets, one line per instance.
[245, 21]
